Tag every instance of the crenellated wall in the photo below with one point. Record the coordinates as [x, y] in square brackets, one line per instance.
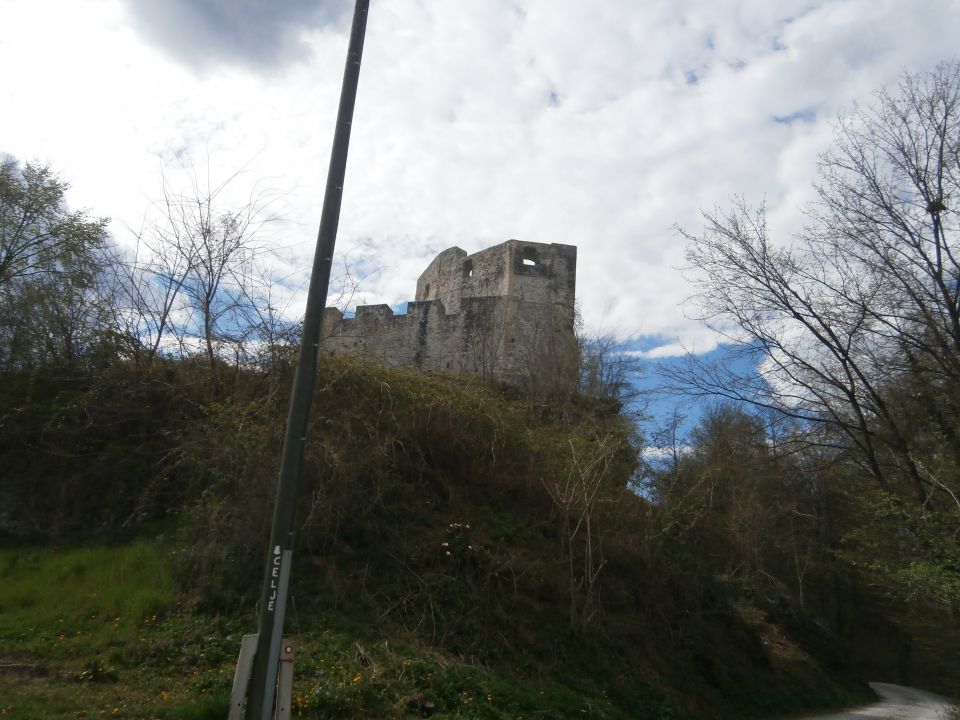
[500, 312]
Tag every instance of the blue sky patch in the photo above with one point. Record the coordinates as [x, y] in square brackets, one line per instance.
[806, 115]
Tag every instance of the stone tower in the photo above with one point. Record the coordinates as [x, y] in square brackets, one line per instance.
[506, 312]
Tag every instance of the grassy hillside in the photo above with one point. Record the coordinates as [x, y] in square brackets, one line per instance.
[463, 552]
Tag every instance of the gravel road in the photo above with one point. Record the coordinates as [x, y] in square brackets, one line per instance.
[897, 703]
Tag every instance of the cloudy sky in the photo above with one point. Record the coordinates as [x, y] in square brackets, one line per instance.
[600, 124]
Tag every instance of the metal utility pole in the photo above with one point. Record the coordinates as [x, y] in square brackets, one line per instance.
[261, 690]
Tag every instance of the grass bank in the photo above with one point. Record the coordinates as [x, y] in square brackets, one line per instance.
[463, 551]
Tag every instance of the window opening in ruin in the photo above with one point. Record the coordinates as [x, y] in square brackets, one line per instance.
[529, 258]
[468, 269]
[426, 290]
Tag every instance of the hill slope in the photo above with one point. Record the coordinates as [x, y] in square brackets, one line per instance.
[463, 551]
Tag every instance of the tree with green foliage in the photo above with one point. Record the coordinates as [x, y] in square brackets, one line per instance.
[38, 234]
[741, 505]
[53, 304]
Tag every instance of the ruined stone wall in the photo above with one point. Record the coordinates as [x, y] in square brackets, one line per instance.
[497, 313]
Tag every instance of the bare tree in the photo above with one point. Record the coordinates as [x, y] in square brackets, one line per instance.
[213, 246]
[483, 335]
[270, 337]
[149, 281]
[194, 275]
[578, 496]
[860, 317]
[607, 371]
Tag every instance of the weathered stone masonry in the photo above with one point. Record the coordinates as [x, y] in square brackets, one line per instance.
[506, 312]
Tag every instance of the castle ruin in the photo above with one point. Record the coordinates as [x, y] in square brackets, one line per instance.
[504, 313]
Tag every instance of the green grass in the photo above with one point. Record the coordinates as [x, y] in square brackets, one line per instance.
[97, 632]
[339, 678]
[83, 632]
[57, 601]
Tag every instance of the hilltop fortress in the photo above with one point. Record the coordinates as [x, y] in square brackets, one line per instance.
[503, 313]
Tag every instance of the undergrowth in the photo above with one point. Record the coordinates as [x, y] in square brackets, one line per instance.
[463, 551]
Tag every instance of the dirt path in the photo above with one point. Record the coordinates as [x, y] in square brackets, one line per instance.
[897, 703]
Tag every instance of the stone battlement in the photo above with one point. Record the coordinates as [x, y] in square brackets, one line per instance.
[500, 313]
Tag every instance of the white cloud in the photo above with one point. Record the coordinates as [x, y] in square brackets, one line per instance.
[599, 125]
[664, 454]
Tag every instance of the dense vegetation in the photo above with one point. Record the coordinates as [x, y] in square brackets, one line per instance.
[853, 330]
[474, 550]
[473, 544]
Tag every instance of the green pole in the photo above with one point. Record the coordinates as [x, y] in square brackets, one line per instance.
[262, 688]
